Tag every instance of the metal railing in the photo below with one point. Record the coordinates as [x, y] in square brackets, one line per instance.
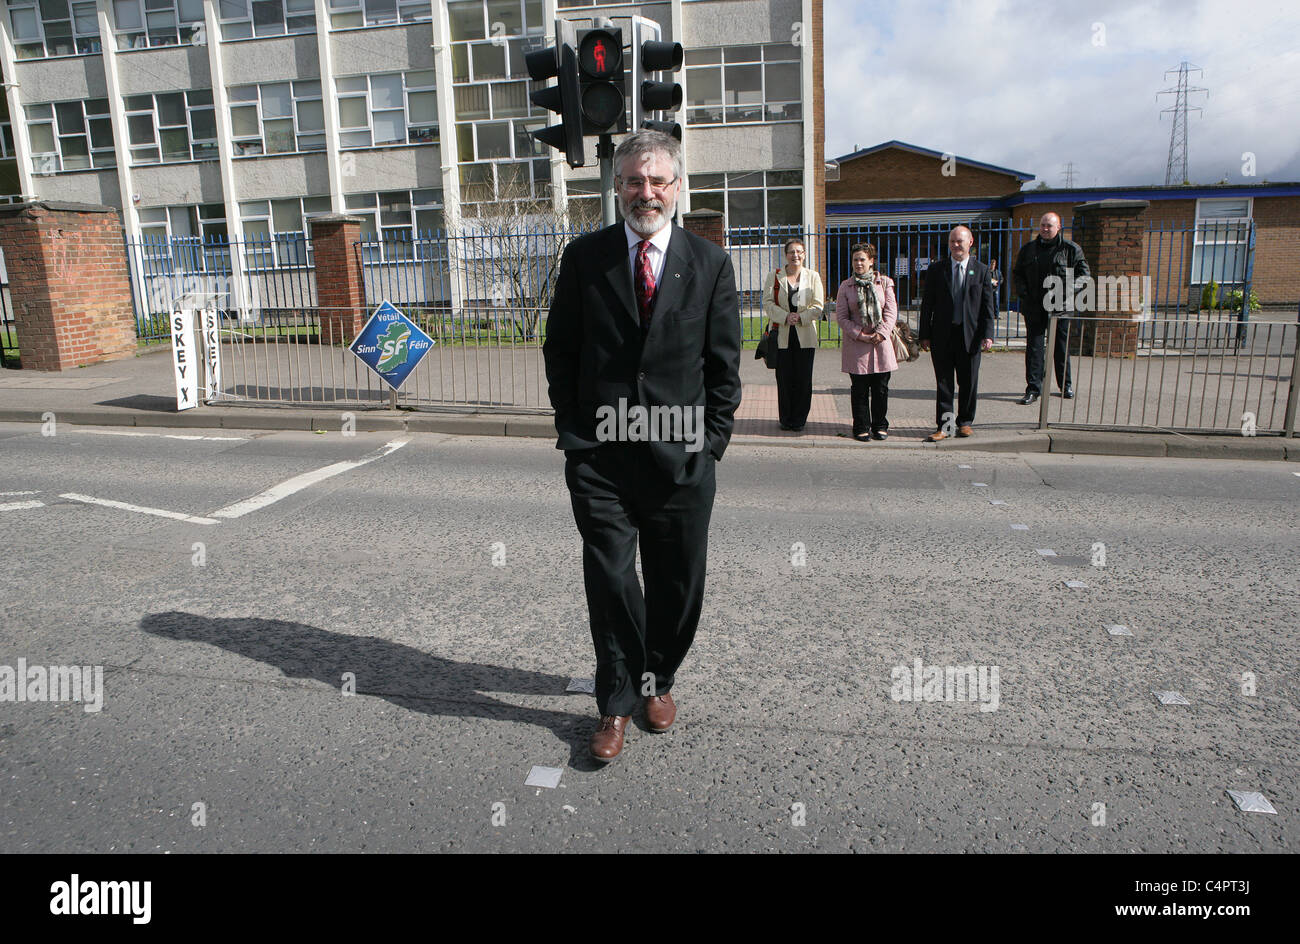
[301, 356]
[242, 278]
[1224, 376]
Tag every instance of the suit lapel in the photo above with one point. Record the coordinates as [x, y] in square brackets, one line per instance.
[679, 270]
[618, 270]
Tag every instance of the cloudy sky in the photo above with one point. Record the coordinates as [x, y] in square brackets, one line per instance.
[1034, 84]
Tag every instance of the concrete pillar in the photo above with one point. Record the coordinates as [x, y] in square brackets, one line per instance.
[340, 285]
[69, 283]
[1110, 233]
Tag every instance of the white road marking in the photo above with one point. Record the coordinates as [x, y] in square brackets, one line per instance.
[299, 482]
[159, 512]
[191, 438]
[19, 506]
[9, 494]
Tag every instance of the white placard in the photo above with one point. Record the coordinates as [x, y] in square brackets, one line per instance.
[185, 360]
[212, 350]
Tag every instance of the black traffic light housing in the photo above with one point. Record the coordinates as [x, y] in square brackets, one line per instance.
[650, 57]
[561, 63]
[600, 77]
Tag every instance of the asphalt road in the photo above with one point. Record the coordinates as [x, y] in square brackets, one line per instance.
[225, 647]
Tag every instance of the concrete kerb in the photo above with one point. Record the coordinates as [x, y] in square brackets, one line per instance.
[1060, 441]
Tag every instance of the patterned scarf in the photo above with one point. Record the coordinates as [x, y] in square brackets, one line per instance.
[867, 304]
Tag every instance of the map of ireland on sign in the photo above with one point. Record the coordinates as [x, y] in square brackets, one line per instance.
[391, 345]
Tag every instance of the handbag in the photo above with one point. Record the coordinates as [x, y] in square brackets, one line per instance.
[767, 346]
[906, 348]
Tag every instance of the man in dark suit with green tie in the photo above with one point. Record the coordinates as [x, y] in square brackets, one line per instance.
[958, 310]
[642, 359]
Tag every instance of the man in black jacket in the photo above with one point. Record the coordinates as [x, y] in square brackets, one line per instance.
[642, 359]
[1048, 256]
[958, 310]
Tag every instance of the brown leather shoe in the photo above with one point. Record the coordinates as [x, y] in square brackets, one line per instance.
[607, 739]
[936, 436]
[660, 712]
[964, 431]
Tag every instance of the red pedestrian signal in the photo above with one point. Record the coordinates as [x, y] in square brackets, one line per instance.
[600, 71]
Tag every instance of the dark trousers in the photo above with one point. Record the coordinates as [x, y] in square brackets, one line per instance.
[794, 377]
[869, 397]
[1036, 353]
[619, 498]
[950, 358]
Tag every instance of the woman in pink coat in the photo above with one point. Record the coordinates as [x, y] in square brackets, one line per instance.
[867, 310]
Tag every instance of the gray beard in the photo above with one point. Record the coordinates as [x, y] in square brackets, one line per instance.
[647, 228]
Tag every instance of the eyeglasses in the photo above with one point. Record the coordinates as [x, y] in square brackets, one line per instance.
[657, 184]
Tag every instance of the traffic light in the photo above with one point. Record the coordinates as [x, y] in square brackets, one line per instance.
[561, 63]
[650, 56]
[600, 75]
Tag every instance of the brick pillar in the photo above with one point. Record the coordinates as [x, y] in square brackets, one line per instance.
[706, 223]
[1111, 233]
[69, 283]
[340, 290]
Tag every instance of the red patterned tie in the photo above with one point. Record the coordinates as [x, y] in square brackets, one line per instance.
[645, 282]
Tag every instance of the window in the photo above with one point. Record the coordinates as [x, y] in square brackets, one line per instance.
[70, 136]
[274, 231]
[188, 238]
[391, 108]
[277, 118]
[1222, 241]
[395, 221]
[54, 28]
[171, 126]
[347, 14]
[241, 19]
[144, 23]
[743, 84]
[751, 202]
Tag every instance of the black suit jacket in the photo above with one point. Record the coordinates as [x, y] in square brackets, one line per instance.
[978, 304]
[595, 352]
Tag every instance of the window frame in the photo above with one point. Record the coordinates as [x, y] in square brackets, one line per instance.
[1225, 235]
[770, 54]
[209, 145]
[297, 97]
[245, 26]
[41, 160]
[83, 44]
[367, 97]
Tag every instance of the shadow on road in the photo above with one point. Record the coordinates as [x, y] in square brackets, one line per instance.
[411, 679]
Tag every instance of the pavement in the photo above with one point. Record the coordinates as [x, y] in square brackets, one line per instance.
[140, 392]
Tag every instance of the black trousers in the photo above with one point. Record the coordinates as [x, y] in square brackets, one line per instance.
[950, 358]
[619, 499]
[1036, 353]
[794, 377]
[869, 397]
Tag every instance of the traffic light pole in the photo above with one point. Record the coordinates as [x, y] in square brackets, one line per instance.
[605, 153]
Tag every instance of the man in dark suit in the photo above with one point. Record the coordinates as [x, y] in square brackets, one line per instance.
[958, 308]
[643, 364]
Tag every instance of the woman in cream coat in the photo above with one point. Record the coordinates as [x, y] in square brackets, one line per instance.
[794, 299]
[866, 351]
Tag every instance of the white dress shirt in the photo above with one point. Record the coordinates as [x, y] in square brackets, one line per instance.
[657, 250]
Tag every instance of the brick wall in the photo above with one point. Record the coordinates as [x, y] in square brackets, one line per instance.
[69, 283]
[1110, 233]
[340, 289]
[897, 174]
[818, 132]
[1277, 236]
